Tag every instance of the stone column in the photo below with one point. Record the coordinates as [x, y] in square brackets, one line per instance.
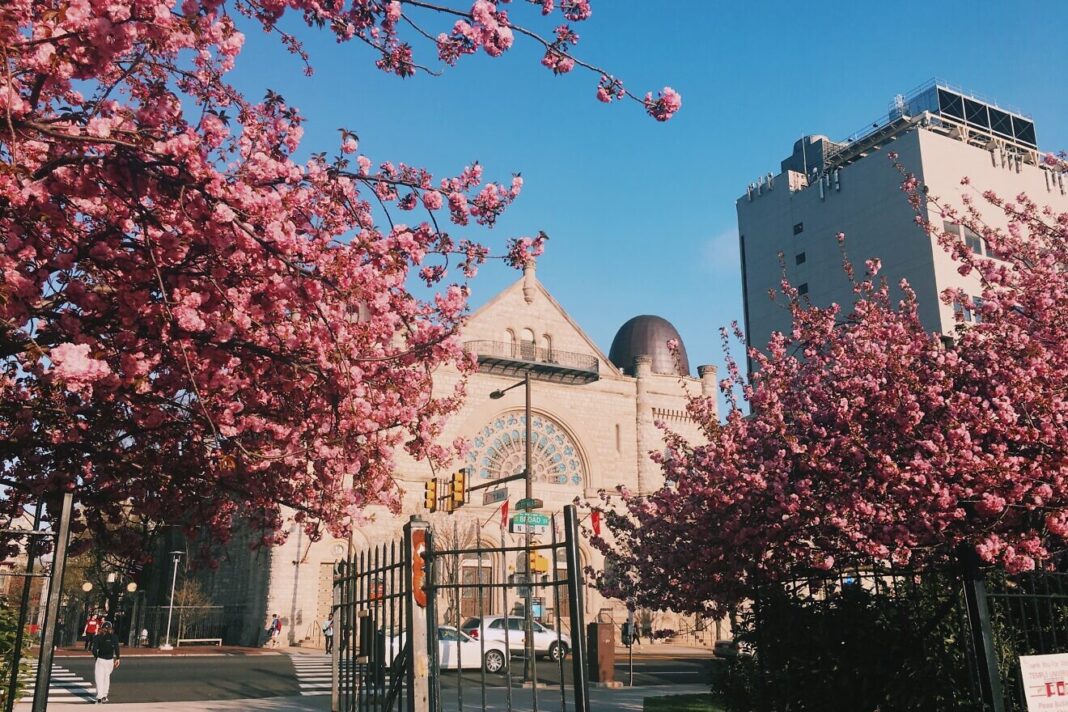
[709, 382]
[530, 281]
[643, 370]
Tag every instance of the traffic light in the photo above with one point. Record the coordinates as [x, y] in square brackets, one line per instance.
[458, 491]
[430, 495]
[538, 564]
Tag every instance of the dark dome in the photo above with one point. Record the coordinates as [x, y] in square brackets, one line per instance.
[648, 335]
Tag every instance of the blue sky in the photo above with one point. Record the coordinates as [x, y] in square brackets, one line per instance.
[640, 214]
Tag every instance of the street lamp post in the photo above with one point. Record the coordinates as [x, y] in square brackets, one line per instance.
[176, 555]
[528, 615]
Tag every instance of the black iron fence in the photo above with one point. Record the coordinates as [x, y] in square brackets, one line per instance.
[878, 638]
[1028, 616]
[371, 590]
[437, 616]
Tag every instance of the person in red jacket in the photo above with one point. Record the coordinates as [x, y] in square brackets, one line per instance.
[92, 626]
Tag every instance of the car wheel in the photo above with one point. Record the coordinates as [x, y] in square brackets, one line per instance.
[494, 661]
[557, 651]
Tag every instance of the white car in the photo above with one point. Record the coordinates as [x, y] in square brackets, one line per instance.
[492, 628]
[455, 648]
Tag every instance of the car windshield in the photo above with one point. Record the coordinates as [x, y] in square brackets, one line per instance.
[450, 634]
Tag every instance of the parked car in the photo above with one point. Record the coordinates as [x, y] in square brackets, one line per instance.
[492, 628]
[456, 648]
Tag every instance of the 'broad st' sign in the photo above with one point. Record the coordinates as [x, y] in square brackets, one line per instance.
[529, 523]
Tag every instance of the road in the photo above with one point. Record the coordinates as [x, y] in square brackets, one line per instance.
[166, 679]
[216, 677]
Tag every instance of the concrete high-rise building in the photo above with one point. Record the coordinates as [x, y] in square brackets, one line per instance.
[941, 135]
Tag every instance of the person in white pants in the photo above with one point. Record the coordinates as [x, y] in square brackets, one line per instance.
[106, 652]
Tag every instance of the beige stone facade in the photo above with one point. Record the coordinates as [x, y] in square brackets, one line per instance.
[790, 220]
[588, 437]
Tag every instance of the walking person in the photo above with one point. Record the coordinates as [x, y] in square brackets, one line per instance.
[106, 652]
[275, 632]
[92, 627]
[328, 633]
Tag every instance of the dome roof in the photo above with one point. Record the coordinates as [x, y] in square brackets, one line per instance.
[648, 335]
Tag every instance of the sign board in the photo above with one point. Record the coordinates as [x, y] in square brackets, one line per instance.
[494, 496]
[522, 528]
[529, 504]
[539, 520]
[1045, 682]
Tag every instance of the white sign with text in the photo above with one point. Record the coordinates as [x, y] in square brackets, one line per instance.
[1045, 681]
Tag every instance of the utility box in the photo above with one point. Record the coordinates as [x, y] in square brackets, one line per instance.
[601, 647]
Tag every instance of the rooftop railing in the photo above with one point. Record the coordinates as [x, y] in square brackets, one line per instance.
[546, 363]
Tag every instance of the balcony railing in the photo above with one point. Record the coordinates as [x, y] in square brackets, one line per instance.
[510, 359]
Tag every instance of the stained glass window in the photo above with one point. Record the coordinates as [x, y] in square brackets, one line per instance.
[499, 450]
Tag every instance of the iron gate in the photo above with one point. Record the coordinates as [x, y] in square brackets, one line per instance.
[439, 622]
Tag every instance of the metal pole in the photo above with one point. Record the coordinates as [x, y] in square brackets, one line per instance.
[575, 603]
[16, 654]
[978, 609]
[528, 622]
[630, 647]
[170, 609]
[55, 592]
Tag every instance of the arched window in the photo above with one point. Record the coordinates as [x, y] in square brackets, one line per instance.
[527, 346]
[499, 450]
[547, 347]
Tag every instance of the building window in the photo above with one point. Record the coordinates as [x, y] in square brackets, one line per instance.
[802, 289]
[799, 258]
[799, 228]
[973, 241]
[619, 439]
[962, 311]
[499, 450]
[977, 302]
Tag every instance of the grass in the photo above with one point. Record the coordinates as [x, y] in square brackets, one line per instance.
[681, 703]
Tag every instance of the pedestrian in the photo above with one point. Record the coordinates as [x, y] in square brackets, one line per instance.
[328, 633]
[92, 627]
[106, 652]
[274, 631]
[144, 637]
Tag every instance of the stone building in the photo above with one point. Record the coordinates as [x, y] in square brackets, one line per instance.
[593, 421]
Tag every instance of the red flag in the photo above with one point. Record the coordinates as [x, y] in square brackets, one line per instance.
[504, 515]
[595, 520]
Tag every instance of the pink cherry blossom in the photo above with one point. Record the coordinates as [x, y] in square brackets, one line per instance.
[869, 438]
[199, 329]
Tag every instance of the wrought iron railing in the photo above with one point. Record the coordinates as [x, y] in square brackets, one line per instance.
[526, 351]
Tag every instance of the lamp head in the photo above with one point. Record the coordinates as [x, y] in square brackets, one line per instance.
[87, 587]
[497, 395]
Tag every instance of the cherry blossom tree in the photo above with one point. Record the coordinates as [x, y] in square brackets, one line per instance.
[195, 326]
[872, 439]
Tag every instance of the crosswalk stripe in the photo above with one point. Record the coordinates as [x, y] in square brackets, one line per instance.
[63, 686]
[313, 674]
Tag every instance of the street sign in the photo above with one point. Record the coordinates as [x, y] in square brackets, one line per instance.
[539, 520]
[529, 504]
[529, 523]
[494, 496]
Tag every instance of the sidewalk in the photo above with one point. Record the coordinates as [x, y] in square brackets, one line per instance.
[626, 699]
[187, 651]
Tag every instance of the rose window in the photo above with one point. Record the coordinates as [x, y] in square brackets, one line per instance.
[499, 450]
